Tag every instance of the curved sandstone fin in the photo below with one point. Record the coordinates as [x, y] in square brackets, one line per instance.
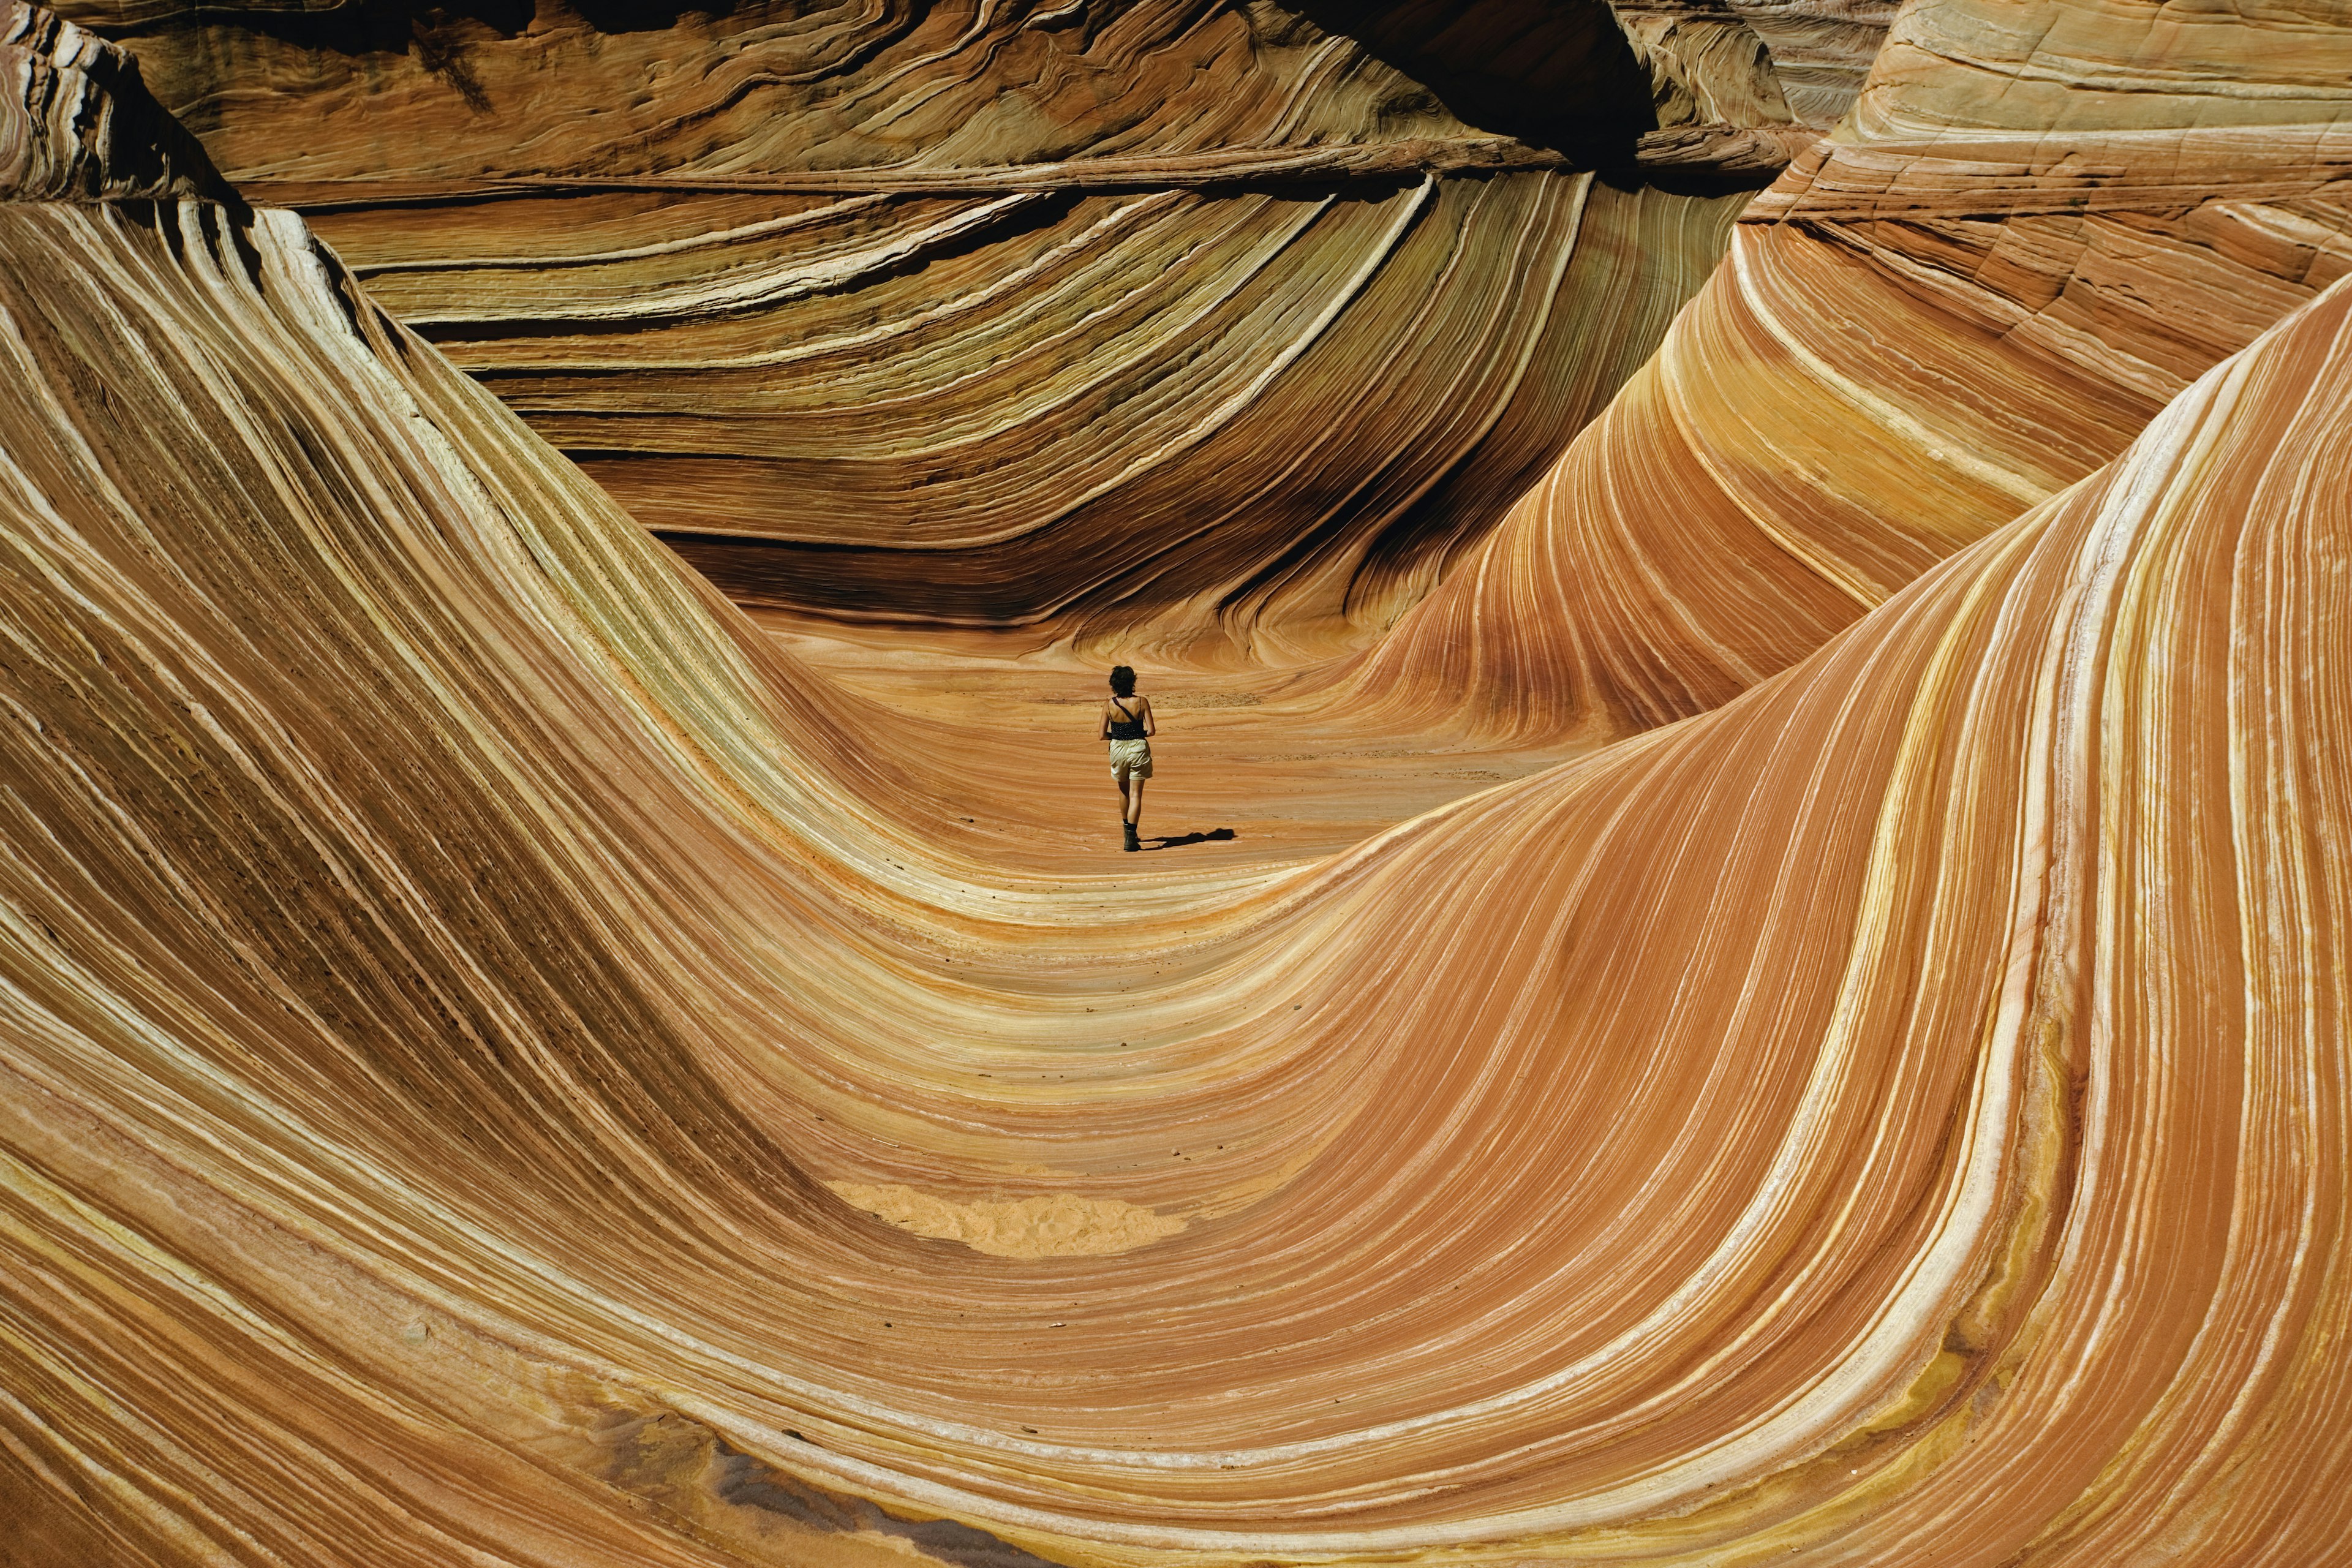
[450, 972]
[77, 124]
[1971, 295]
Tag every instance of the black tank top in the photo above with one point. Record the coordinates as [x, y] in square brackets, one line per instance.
[1123, 727]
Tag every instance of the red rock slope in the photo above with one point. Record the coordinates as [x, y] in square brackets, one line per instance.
[2036, 228]
[488, 1050]
[1217, 331]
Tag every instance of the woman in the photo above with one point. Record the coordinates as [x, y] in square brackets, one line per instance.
[1127, 725]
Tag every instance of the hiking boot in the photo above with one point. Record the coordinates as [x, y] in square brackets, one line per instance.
[1133, 842]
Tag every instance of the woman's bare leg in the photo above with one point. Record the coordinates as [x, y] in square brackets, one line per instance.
[1134, 800]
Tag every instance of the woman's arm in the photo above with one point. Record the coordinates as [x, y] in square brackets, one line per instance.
[1102, 731]
[1149, 727]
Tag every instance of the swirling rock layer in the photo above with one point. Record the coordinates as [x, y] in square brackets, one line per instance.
[80, 124]
[1113, 410]
[499, 1063]
[1737, 1142]
[1969, 298]
[1220, 332]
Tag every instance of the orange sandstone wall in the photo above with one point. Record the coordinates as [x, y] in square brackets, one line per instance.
[1216, 332]
[2036, 228]
[1895, 1118]
[490, 1051]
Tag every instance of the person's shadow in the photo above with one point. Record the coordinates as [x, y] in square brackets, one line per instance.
[1218, 835]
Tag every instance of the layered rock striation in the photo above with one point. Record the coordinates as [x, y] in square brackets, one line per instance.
[1973, 294]
[80, 125]
[1217, 331]
[499, 1063]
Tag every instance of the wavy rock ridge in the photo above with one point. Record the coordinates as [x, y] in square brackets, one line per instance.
[1218, 332]
[81, 125]
[1969, 297]
[472, 1012]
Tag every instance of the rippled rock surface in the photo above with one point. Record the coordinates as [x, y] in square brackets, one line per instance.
[2034, 229]
[503, 1060]
[1219, 331]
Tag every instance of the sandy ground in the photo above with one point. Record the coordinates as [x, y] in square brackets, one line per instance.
[1241, 778]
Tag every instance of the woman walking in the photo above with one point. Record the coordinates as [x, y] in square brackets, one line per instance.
[1127, 725]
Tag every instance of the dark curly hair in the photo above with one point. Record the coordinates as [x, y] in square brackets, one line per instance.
[1122, 680]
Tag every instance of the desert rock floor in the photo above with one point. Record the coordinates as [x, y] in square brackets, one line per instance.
[1245, 775]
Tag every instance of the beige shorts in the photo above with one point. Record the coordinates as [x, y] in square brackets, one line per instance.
[1130, 759]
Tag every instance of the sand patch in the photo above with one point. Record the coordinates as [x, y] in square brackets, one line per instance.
[1059, 1225]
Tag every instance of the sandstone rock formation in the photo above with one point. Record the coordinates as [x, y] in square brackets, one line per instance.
[1973, 294]
[496, 1057]
[1221, 330]
[80, 125]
